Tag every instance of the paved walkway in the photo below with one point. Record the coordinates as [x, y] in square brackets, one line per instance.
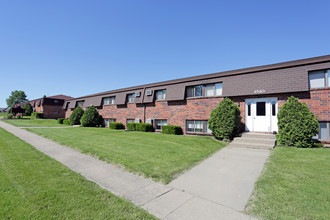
[216, 191]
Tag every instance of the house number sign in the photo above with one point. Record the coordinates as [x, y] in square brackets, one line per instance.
[259, 91]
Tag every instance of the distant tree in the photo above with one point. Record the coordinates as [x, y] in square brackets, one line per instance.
[16, 97]
[28, 109]
[44, 96]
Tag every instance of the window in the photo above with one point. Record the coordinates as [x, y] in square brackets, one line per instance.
[161, 94]
[261, 108]
[55, 113]
[130, 121]
[55, 101]
[213, 89]
[131, 98]
[108, 100]
[198, 126]
[249, 109]
[80, 103]
[195, 91]
[159, 123]
[319, 79]
[67, 105]
[273, 109]
[107, 121]
[324, 132]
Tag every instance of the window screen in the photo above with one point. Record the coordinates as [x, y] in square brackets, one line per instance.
[317, 79]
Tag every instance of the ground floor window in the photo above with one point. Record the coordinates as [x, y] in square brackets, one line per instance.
[198, 126]
[107, 121]
[130, 121]
[159, 123]
[324, 132]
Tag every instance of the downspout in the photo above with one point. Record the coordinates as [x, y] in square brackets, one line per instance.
[144, 106]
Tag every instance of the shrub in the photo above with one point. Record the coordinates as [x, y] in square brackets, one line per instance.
[225, 120]
[60, 120]
[146, 127]
[19, 115]
[35, 115]
[116, 125]
[9, 116]
[76, 116]
[296, 125]
[28, 109]
[90, 118]
[172, 129]
[132, 126]
[66, 122]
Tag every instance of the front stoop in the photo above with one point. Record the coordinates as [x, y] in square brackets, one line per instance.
[254, 141]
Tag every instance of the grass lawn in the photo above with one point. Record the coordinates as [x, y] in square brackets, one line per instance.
[34, 186]
[295, 184]
[34, 123]
[158, 156]
[3, 114]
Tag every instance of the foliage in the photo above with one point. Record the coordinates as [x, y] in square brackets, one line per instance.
[90, 118]
[28, 109]
[296, 125]
[35, 115]
[66, 122]
[172, 129]
[9, 116]
[76, 116]
[10, 111]
[16, 97]
[131, 126]
[146, 127]
[116, 125]
[60, 120]
[225, 120]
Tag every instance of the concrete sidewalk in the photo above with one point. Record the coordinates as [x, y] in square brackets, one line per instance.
[163, 201]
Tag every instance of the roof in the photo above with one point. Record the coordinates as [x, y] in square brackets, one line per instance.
[65, 97]
[295, 63]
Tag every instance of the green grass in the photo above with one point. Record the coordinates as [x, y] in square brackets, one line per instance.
[157, 156]
[295, 184]
[34, 123]
[3, 114]
[34, 186]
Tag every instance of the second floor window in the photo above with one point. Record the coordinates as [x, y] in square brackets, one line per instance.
[108, 100]
[80, 103]
[213, 89]
[195, 91]
[131, 98]
[67, 105]
[161, 94]
[319, 79]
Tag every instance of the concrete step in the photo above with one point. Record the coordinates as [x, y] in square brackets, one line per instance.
[258, 135]
[249, 140]
[252, 146]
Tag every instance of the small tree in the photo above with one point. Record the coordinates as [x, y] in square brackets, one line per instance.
[296, 125]
[90, 118]
[76, 116]
[225, 120]
[28, 109]
[16, 97]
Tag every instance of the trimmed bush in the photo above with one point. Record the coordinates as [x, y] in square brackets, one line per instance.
[76, 116]
[9, 116]
[225, 120]
[131, 126]
[116, 125]
[146, 127]
[296, 125]
[66, 122]
[28, 109]
[172, 129]
[90, 118]
[35, 115]
[60, 120]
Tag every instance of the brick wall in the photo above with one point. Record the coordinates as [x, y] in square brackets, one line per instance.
[53, 111]
[177, 112]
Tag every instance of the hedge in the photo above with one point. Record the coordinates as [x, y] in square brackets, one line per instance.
[116, 125]
[35, 115]
[66, 122]
[146, 127]
[60, 120]
[132, 126]
[172, 129]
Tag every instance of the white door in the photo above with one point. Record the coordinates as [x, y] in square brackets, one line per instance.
[261, 115]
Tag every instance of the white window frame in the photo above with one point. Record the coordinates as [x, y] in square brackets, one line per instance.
[80, 103]
[108, 100]
[318, 136]
[160, 94]
[326, 78]
[213, 88]
[194, 91]
[160, 123]
[130, 120]
[204, 128]
[131, 98]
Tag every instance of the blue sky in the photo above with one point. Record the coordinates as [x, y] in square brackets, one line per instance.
[81, 47]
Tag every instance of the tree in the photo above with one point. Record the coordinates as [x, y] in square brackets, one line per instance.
[91, 117]
[76, 116]
[28, 109]
[296, 125]
[16, 97]
[225, 120]
[44, 96]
